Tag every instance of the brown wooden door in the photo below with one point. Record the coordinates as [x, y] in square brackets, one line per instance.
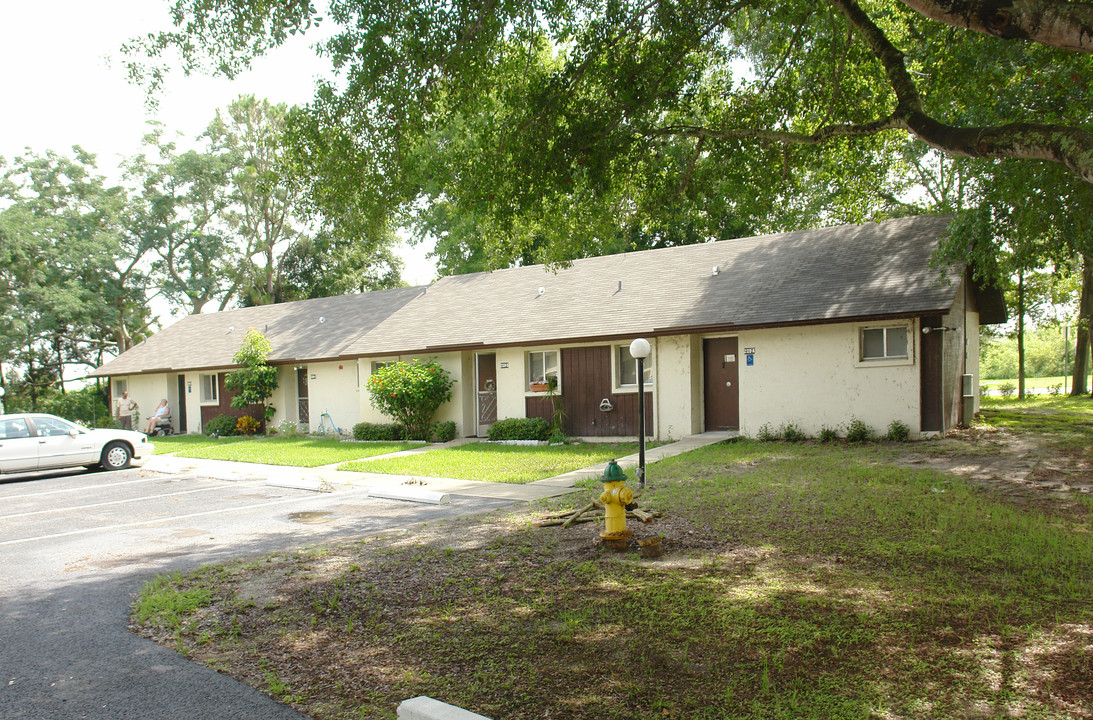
[931, 389]
[487, 391]
[721, 360]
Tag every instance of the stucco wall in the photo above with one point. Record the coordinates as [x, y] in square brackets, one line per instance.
[811, 376]
[332, 388]
[677, 406]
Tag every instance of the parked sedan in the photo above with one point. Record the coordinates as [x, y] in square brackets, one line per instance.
[34, 441]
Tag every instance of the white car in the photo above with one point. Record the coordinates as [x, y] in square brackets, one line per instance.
[30, 442]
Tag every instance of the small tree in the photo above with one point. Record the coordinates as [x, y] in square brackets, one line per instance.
[410, 394]
[255, 380]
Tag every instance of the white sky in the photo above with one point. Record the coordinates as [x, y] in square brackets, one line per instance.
[64, 84]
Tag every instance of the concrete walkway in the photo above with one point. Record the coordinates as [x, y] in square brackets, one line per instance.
[329, 478]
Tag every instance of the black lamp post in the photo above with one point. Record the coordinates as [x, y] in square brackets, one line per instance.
[639, 350]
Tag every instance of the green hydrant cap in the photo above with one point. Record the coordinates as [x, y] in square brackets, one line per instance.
[613, 473]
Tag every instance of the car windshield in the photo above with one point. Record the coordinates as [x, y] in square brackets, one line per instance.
[53, 426]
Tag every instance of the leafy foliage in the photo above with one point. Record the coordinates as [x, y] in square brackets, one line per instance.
[222, 425]
[898, 431]
[858, 432]
[443, 431]
[410, 393]
[538, 130]
[255, 380]
[520, 429]
[246, 425]
[387, 432]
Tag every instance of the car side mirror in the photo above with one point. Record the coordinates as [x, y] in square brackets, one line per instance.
[73, 433]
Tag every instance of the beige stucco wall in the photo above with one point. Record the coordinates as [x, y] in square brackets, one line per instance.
[332, 388]
[284, 397]
[677, 408]
[811, 376]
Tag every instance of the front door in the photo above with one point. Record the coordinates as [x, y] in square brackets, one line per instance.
[486, 372]
[180, 406]
[722, 389]
[303, 415]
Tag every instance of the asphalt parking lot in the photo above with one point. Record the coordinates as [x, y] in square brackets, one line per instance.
[78, 546]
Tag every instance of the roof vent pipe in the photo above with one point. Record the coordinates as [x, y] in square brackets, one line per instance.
[620, 286]
[541, 291]
[716, 270]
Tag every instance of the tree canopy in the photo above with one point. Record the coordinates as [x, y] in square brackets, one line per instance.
[547, 126]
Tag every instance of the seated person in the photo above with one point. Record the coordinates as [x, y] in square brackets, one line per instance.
[162, 411]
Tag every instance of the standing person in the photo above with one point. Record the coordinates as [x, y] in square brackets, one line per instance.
[123, 410]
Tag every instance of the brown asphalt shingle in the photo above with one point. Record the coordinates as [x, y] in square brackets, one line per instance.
[831, 274]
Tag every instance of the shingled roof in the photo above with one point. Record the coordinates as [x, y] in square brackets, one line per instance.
[843, 273]
[832, 274]
[316, 329]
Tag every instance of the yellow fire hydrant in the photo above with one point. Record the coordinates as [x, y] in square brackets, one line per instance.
[615, 498]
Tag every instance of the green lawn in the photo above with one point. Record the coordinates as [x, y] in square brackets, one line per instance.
[800, 581]
[301, 452]
[174, 443]
[498, 463]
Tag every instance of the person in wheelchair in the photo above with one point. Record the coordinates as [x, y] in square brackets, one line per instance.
[160, 418]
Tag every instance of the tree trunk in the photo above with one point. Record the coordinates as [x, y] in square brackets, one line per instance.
[1021, 335]
[1081, 347]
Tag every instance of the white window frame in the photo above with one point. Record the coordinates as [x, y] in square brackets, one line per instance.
[886, 360]
[527, 370]
[215, 399]
[377, 364]
[617, 358]
[119, 386]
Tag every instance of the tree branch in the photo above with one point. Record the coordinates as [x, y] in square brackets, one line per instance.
[1058, 23]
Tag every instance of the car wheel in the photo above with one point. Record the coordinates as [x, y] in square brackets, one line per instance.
[116, 456]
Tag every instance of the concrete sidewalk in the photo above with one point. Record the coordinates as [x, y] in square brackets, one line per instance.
[329, 478]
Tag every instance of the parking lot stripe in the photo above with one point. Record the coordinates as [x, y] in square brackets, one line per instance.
[72, 508]
[121, 526]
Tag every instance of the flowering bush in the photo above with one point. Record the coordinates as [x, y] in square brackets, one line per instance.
[410, 394]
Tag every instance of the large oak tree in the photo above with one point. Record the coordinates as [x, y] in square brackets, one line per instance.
[551, 123]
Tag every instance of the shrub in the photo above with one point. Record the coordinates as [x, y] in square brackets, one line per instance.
[387, 432]
[222, 425]
[898, 432]
[246, 425]
[858, 431]
[1056, 389]
[791, 432]
[443, 431]
[828, 434]
[1007, 389]
[767, 433]
[520, 429]
[410, 394]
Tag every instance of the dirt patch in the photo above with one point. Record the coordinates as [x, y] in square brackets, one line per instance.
[1015, 465]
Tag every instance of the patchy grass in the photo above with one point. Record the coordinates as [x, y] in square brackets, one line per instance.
[174, 443]
[799, 581]
[499, 463]
[1066, 424]
[300, 452]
